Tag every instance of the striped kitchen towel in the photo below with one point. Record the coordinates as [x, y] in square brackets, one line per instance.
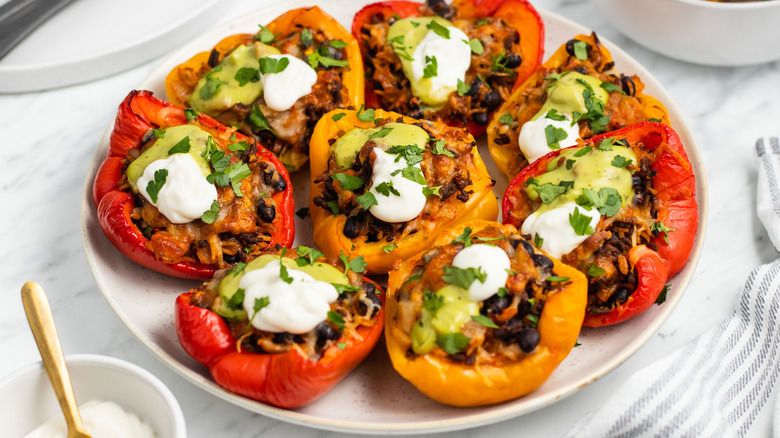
[716, 385]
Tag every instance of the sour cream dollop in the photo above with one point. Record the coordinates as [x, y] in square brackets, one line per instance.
[554, 227]
[295, 307]
[533, 139]
[490, 259]
[453, 57]
[410, 201]
[101, 419]
[185, 195]
[281, 90]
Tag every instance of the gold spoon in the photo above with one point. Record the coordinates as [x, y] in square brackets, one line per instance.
[38, 311]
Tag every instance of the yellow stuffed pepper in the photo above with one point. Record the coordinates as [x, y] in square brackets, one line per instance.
[483, 316]
[575, 94]
[275, 84]
[383, 185]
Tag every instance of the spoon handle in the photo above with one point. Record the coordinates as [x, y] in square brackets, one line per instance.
[38, 311]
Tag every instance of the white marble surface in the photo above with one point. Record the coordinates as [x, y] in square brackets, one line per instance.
[49, 139]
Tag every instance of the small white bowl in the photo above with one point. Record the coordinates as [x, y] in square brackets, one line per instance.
[27, 399]
[700, 31]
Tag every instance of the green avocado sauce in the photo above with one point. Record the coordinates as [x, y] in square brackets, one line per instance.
[592, 170]
[228, 287]
[161, 147]
[405, 35]
[219, 89]
[347, 147]
[565, 94]
[456, 310]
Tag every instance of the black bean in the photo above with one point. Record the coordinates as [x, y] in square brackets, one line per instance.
[638, 200]
[279, 184]
[334, 52]
[213, 58]
[283, 338]
[369, 301]
[528, 340]
[542, 261]
[481, 119]
[527, 246]
[351, 226]
[325, 332]
[636, 181]
[491, 100]
[266, 212]
[502, 139]
[474, 88]
[621, 295]
[628, 85]
[496, 304]
[513, 60]
[231, 258]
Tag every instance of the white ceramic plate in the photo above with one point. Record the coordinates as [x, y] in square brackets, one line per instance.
[373, 399]
[60, 52]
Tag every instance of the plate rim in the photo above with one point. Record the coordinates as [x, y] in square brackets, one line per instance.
[494, 414]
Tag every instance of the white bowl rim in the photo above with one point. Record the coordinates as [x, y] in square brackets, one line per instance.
[705, 4]
[112, 362]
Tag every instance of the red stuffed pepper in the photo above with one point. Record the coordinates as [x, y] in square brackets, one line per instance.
[455, 63]
[284, 328]
[620, 207]
[184, 195]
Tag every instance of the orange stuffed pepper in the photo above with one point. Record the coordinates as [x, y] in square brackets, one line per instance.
[483, 316]
[575, 94]
[275, 84]
[383, 185]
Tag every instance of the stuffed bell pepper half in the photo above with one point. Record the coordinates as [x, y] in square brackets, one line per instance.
[184, 195]
[452, 62]
[621, 208]
[383, 185]
[483, 316]
[275, 84]
[284, 328]
[576, 93]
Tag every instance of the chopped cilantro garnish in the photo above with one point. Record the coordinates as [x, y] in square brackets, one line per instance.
[270, 65]
[463, 277]
[307, 256]
[452, 343]
[245, 75]
[154, 186]
[210, 215]
[580, 223]
[365, 116]
[265, 36]
[336, 318]
[662, 296]
[464, 237]
[595, 271]
[432, 301]
[257, 121]
[506, 119]
[366, 200]
[581, 50]
[191, 114]
[439, 29]
[431, 69]
[348, 182]
[476, 46]
[182, 147]
[484, 320]
[355, 265]
[336, 117]
[554, 136]
[389, 247]
[661, 228]
[621, 161]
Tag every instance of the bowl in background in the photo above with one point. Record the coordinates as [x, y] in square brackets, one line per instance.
[701, 31]
[27, 399]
